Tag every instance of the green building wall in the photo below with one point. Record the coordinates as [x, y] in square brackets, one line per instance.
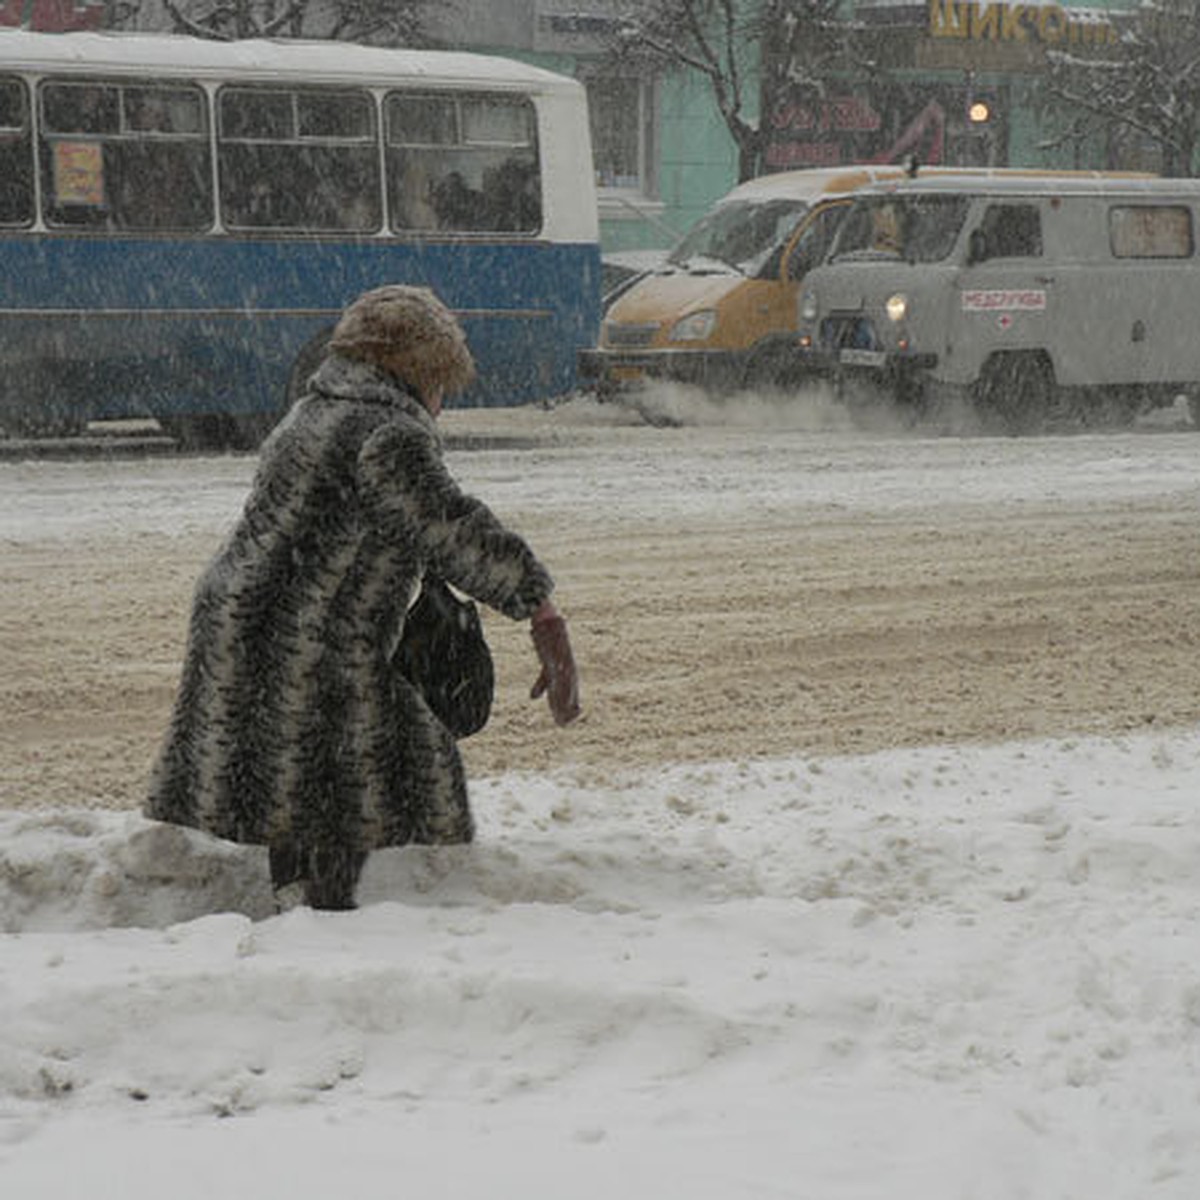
[696, 162]
[696, 158]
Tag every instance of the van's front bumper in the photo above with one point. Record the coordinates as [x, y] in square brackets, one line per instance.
[886, 361]
[705, 367]
[823, 360]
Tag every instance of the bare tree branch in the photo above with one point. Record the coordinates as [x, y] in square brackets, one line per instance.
[1148, 83]
[794, 44]
[184, 24]
[386, 22]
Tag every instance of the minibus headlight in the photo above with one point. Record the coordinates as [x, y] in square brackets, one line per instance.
[695, 327]
[896, 307]
[808, 306]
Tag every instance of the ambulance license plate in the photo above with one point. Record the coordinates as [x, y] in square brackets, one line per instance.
[862, 358]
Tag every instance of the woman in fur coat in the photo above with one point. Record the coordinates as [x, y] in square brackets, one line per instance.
[291, 727]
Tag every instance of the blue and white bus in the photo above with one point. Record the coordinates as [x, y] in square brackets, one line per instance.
[181, 221]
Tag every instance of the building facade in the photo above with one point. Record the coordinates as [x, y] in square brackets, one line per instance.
[955, 85]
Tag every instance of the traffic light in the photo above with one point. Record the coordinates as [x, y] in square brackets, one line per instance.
[979, 111]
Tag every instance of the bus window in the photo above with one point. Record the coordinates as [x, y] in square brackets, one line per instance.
[125, 157]
[75, 117]
[462, 164]
[150, 110]
[80, 108]
[16, 155]
[298, 159]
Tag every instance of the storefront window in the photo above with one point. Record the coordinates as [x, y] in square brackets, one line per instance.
[622, 132]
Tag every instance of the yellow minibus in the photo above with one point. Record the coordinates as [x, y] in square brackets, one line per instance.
[721, 310]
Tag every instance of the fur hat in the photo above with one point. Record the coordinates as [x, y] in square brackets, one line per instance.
[409, 332]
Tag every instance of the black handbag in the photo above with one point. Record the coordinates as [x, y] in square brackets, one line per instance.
[445, 656]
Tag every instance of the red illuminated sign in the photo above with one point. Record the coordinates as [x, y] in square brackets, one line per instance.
[52, 16]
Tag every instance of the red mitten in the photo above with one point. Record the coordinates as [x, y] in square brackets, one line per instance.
[558, 679]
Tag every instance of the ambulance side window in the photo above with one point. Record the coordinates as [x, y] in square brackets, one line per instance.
[1151, 231]
[1009, 231]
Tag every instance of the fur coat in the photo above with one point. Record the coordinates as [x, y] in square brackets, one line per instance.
[289, 722]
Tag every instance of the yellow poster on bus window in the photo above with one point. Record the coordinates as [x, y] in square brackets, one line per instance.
[79, 173]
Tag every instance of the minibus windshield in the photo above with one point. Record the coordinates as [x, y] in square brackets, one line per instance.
[913, 228]
[739, 236]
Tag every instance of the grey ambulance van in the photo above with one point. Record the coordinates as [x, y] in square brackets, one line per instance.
[1031, 297]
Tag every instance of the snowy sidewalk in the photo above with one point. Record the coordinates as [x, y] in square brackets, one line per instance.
[944, 974]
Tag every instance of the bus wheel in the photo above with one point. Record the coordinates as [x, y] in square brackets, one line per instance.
[219, 431]
[1015, 392]
[51, 420]
[202, 431]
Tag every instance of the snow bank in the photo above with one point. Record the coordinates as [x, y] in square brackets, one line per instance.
[945, 973]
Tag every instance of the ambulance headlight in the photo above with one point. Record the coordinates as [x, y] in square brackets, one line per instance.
[896, 307]
[808, 306]
[695, 327]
